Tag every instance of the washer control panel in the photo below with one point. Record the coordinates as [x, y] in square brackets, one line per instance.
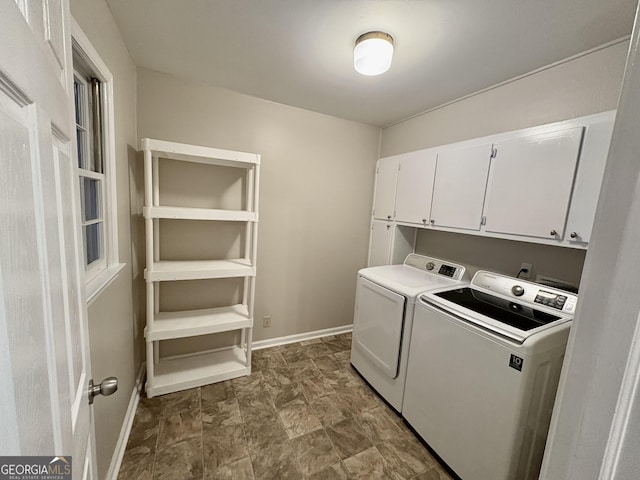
[551, 299]
[526, 292]
[435, 266]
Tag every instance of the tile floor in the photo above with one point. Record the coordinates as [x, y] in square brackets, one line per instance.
[304, 413]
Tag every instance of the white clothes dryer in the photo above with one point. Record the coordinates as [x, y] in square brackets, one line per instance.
[383, 318]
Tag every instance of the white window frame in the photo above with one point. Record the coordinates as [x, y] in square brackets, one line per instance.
[93, 269]
[99, 276]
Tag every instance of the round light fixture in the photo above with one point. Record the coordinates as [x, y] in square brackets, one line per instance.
[372, 53]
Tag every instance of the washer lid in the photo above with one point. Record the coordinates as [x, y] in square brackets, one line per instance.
[509, 312]
[406, 280]
[492, 303]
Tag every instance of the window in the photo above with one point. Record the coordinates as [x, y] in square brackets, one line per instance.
[89, 134]
[95, 156]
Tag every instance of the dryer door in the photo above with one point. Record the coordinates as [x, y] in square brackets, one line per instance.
[377, 325]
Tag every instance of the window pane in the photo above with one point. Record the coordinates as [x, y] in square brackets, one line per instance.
[81, 137]
[76, 96]
[93, 241]
[96, 113]
[91, 198]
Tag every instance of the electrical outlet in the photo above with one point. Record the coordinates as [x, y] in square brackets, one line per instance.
[525, 271]
[266, 321]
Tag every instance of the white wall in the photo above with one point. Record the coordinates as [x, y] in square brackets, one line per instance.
[315, 196]
[111, 316]
[585, 85]
[582, 86]
[503, 256]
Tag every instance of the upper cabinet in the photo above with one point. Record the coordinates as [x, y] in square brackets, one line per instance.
[415, 186]
[584, 199]
[385, 190]
[538, 185]
[459, 189]
[531, 182]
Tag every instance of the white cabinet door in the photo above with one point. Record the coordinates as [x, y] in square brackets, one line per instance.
[415, 186]
[460, 184]
[531, 182]
[586, 191]
[385, 193]
[380, 243]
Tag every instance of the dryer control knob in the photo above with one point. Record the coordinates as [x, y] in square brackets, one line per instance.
[429, 266]
[517, 290]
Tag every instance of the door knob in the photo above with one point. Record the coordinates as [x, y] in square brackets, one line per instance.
[108, 386]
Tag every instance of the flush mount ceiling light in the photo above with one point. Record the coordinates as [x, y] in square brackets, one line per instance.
[373, 53]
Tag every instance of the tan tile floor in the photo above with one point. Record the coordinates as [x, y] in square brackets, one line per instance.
[303, 413]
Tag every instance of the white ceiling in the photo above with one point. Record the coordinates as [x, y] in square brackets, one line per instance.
[300, 52]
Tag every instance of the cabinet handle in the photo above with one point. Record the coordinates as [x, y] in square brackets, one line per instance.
[433, 221]
[424, 221]
[573, 235]
[553, 233]
[388, 227]
[388, 217]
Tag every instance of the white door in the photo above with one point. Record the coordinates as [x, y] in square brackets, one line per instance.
[378, 321]
[415, 186]
[380, 243]
[461, 181]
[531, 182]
[43, 330]
[385, 193]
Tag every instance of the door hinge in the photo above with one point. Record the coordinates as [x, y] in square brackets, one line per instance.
[399, 166]
[483, 220]
[494, 152]
[377, 170]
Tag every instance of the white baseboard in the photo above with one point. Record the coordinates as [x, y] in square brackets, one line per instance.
[299, 337]
[125, 431]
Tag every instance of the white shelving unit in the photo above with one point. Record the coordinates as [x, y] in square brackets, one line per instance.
[166, 375]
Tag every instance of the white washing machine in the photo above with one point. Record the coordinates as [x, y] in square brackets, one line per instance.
[385, 300]
[484, 366]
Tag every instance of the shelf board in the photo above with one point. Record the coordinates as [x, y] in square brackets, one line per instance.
[175, 374]
[198, 154]
[199, 270]
[189, 213]
[169, 325]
